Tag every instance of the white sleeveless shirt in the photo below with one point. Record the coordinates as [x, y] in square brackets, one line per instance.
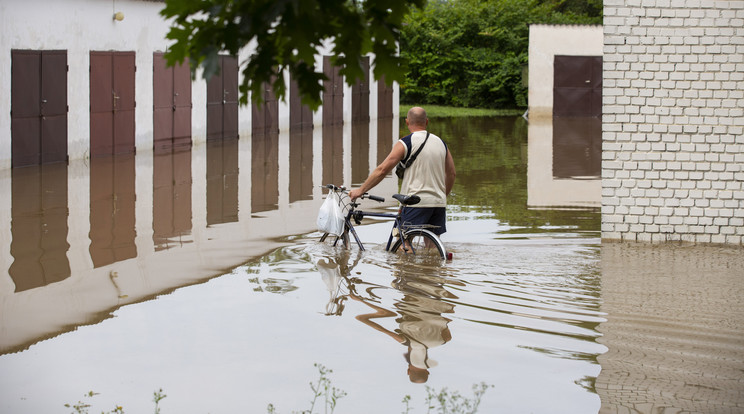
[426, 176]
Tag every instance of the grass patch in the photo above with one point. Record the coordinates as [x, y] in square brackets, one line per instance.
[437, 111]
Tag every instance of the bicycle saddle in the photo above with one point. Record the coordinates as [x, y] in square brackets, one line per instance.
[407, 200]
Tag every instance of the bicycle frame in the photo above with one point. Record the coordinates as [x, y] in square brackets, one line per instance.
[358, 215]
[403, 231]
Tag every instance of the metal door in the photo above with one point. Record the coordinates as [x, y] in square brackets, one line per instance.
[300, 115]
[38, 107]
[360, 95]
[222, 100]
[384, 138]
[333, 94]
[171, 103]
[577, 87]
[112, 103]
[384, 99]
[266, 116]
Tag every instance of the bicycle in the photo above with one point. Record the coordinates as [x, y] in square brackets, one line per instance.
[410, 239]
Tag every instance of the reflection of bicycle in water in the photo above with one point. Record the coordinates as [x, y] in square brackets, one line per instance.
[418, 314]
[413, 239]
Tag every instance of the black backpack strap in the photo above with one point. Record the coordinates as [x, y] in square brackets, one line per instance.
[412, 158]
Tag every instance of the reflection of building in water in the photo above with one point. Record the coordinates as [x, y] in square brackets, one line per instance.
[38, 226]
[577, 147]
[333, 154]
[359, 152]
[300, 148]
[301, 165]
[134, 226]
[562, 163]
[360, 127]
[171, 198]
[222, 181]
[181, 209]
[112, 201]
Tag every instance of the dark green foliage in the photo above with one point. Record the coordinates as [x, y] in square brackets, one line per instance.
[471, 53]
[287, 34]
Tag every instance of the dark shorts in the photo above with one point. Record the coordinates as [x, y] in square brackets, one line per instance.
[436, 216]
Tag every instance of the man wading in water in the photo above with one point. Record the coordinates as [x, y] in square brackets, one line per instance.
[431, 176]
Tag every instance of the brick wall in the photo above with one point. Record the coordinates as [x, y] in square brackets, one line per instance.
[673, 120]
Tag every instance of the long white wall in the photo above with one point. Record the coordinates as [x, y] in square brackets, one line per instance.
[82, 26]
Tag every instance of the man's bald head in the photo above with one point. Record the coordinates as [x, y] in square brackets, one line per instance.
[416, 118]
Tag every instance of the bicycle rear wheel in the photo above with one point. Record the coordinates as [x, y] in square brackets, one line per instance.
[420, 242]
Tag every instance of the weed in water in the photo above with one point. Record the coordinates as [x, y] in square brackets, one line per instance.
[157, 396]
[453, 402]
[83, 407]
[442, 402]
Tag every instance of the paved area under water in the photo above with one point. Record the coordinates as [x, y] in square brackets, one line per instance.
[674, 329]
[198, 272]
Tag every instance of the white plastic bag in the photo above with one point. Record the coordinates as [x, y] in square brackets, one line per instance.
[331, 216]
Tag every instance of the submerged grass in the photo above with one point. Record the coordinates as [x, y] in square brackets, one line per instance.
[435, 111]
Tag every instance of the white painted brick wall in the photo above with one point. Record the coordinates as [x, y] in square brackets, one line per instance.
[673, 121]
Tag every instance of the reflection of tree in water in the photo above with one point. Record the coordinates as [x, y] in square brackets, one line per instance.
[418, 313]
[491, 158]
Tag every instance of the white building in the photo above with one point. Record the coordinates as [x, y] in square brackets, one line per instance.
[85, 77]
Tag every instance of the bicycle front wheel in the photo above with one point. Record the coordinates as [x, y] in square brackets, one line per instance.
[340, 241]
[420, 242]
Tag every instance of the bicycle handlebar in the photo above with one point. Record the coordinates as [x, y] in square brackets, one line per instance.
[343, 190]
[375, 198]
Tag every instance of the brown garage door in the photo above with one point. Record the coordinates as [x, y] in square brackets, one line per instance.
[384, 99]
[300, 147]
[384, 138]
[222, 100]
[171, 103]
[266, 115]
[360, 95]
[38, 107]
[577, 87]
[300, 116]
[111, 103]
[333, 94]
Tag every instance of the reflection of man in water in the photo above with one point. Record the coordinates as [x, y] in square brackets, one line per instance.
[420, 320]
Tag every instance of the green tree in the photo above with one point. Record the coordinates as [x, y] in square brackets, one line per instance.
[286, 35]
[471, 53]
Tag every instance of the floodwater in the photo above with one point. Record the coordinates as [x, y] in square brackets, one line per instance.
[198, 272]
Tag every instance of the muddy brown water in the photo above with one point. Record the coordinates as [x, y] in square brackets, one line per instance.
[198, 272]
